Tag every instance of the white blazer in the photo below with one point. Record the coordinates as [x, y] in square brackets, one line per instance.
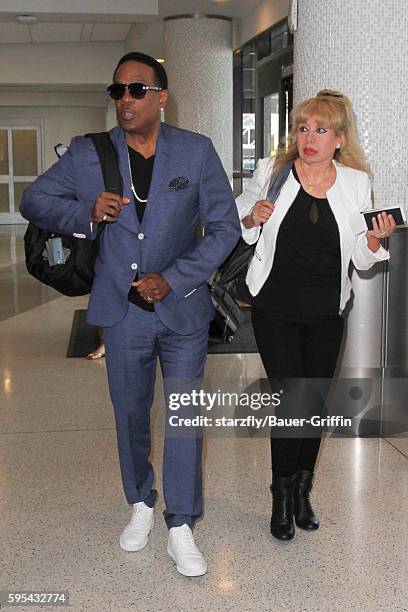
[350, 192]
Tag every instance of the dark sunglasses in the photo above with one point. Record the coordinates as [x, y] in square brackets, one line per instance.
[136, 90]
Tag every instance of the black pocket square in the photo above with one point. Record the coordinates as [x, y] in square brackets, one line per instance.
[178, 183]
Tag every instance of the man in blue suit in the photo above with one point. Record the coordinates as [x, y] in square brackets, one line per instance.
[149, 293]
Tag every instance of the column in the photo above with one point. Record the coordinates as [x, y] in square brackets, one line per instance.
[198, 61]
[111, 120]
[361, 48]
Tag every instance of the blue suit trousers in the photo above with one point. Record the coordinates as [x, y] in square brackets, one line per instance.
[132, 348]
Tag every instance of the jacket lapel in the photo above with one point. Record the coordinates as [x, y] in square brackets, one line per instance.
[338, 202]
[160, 166]
[128, 217]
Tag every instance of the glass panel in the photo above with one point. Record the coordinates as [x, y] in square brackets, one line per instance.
[280, 38]
[4, 198]
[287, 118]
[4, 165]
[263, 45]
[271, 124]
[248, 141]
[248, 107]
[237, 123]
[18, 192]
[25, 152]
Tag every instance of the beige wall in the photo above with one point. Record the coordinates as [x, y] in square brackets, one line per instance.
[59, 87]
[147, 38]
[51, 97]
[60, 123]
[59, 63]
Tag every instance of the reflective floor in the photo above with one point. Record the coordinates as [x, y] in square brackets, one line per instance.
[62, 506]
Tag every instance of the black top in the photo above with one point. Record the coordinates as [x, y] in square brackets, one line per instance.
[141, 169]
[305, 279]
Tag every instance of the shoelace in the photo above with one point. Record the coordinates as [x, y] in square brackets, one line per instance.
[186, 538]
[138, 511]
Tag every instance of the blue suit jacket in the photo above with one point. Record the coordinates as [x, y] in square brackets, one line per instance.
[166, 241]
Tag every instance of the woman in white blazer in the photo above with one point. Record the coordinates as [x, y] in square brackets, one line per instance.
[298, 277]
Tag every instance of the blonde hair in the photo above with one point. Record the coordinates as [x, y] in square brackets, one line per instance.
[334, 110]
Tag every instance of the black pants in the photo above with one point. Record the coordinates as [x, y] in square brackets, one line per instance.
[293, 350]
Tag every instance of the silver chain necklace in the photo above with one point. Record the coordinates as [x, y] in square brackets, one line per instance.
[132, 186]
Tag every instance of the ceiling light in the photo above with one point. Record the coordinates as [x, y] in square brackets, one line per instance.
[26, 19]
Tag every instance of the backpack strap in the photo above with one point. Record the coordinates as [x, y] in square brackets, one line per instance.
[108, 159]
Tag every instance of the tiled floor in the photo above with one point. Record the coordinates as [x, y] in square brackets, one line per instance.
[62, 506]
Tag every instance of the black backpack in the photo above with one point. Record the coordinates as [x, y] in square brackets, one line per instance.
[75, 276]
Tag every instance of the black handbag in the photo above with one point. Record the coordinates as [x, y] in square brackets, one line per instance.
[75, 275]
[232, 273]
[228, 316]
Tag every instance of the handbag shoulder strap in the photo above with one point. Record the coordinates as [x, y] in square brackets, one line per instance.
[278, 179]
[108, 159]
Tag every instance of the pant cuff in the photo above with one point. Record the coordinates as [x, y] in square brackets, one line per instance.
[150, 500]
[178, 520]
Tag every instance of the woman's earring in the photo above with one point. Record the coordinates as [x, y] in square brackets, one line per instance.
[338, 145]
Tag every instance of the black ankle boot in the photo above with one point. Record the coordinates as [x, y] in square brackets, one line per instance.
[282, 526]
[305, 517]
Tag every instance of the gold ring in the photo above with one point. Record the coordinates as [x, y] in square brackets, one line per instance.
[105, 216]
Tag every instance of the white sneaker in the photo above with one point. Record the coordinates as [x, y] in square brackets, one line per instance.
[135, 535]
[185, 553]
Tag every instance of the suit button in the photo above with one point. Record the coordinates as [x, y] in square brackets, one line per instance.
[134, 266]
[140, 236]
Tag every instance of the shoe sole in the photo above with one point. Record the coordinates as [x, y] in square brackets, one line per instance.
[140, 546]
[186, 572]
[308, 528]
[276, 539]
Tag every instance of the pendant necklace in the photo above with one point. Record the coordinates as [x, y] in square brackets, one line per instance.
[310, 186]
[132, 186]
